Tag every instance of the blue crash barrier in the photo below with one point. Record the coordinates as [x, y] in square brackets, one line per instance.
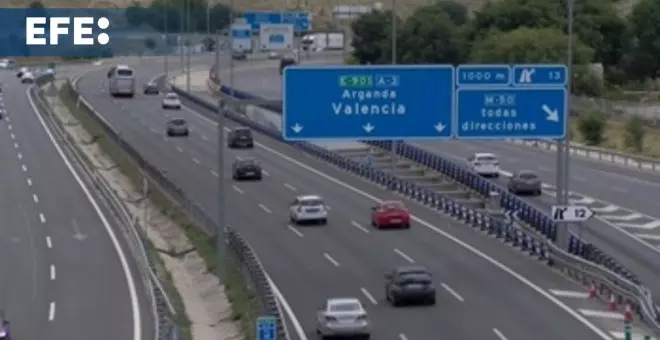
[533, 217]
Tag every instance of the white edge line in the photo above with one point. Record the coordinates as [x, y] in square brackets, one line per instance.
[51, 311]
[135, 307]
[601, 334]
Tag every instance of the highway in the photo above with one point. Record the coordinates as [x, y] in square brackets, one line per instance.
[477, 277]
[624, 198]
[64, 269]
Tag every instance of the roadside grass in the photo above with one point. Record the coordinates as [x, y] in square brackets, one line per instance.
[245, 306]
[615, 134]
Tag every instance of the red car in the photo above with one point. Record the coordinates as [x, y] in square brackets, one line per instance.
[390, 214]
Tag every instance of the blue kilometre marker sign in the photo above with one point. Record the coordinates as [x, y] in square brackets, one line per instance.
[266, 328]
[368, 102]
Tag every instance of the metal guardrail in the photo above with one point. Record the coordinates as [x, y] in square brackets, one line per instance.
[240, 249]
[583, 261]
[163, 310]
[599, 154]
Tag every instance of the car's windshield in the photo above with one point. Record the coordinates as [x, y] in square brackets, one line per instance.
[125, 72]
[345, 307]
[243, 132]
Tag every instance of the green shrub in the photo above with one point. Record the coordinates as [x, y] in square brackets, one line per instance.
[591, 126]
[634, 134]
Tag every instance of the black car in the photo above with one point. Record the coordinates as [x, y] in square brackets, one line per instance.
[246, 168]
[151, 88]
[285, 62]
[409, 285]
[239, 55]
[177, 127]
[240, 137]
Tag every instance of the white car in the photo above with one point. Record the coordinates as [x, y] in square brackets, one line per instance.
[309, 208]
[273, 55]
[342, 317]
[171, 101]
[27, 78]
[484, 164]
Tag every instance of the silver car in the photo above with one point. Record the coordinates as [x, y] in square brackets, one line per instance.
[525, 182]
[342, 317]
[177, 127]
[171, 101]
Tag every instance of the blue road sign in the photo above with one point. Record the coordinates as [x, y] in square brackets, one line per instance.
[266, 328]
[539, 75]
[511, 113]
[483, 75]
[368, 102]
[299, 19]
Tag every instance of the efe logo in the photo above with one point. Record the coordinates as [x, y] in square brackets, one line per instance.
[82, 30]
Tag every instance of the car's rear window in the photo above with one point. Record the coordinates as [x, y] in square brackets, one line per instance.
[394, 205]
[125, 73]
[528, 175]
[172, 96]
[486, 159]
[178, 122]
[311, 202]
[345, 307]
[243, 132]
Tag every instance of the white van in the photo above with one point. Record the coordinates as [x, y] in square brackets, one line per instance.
[121, 81]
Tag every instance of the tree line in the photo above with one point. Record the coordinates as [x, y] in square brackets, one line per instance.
[521, 31]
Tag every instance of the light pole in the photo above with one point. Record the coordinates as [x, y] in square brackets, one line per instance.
[563, 153]
[188, 45]
[220, 233]
[394, 53]
[167, 40]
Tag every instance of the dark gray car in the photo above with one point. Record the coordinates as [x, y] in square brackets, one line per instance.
[151, 88]
[240, 137]
[246, 168]
[177, 127]
[409, 285]
[525, 182]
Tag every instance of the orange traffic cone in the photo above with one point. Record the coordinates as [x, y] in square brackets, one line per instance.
[592, 291]
[612, 304]
[628, 314]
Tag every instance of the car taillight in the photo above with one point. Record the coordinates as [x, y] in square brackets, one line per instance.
[496, 163]
[362, 318]
[300, 209]
[329, 318]
[477, 164]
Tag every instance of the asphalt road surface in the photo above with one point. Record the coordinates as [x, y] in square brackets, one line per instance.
[62, 274]
[481, 293]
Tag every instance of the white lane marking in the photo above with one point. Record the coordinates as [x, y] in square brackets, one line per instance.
[264, 208]
[23, 167]
[214, 173]
[12, 136]
[237, 189]
[130, 282]
[49, 243]
[569, 294]
[35, 198]
[295, 231]
[499, 334]
[601, 314]
[29, 181]
[452, 292]
[42, 218]
[290, 187]
[178, 148]
[52, 272]
[20, 155]
[9, 127]
[265, 173]
[357, 225]
[16, 146]
[330, 259]
[405, 257]
[204, 138]
[196, 160]
[402, 336]
[369, 296]
[51, 311]
[522, 279]
[619, 189]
